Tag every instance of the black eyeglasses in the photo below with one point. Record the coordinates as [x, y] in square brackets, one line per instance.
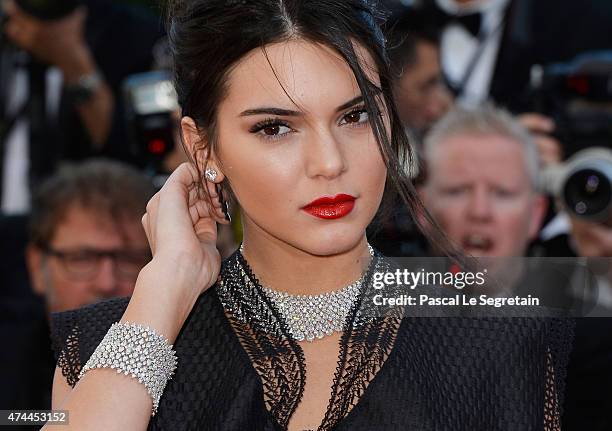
[84, 264]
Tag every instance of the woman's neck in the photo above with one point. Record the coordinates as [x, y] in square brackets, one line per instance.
[283, 267]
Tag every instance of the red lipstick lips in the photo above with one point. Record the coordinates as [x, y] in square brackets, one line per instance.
[331, 207]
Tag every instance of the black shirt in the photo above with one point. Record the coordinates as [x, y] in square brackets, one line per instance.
[410, 373]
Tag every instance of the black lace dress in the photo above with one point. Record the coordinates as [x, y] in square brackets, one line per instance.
[395, 372]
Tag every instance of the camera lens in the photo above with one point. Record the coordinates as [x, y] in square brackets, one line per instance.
[588, 191]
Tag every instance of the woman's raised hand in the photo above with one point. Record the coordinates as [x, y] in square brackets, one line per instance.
[181, 228]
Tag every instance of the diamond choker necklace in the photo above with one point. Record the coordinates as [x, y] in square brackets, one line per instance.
[311, 317]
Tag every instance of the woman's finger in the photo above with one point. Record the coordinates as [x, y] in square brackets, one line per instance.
[204, 226]
[151, 213]
[147, 230]
[196, 194]
[173, 216]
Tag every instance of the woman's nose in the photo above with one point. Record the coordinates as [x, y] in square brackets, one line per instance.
[325, 156]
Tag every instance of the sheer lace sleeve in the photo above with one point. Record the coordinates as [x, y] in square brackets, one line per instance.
[76, 333]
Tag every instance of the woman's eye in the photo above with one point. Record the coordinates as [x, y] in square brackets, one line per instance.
[356, 117]
[275, 130]
[271, 129]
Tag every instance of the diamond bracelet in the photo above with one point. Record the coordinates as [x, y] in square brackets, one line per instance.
[138, 351]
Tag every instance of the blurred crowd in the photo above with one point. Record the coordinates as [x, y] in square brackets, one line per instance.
[508, 105]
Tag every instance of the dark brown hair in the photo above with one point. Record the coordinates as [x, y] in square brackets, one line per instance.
[108, 188]
[208, 37]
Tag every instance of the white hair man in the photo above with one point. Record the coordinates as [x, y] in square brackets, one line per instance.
[482, 181]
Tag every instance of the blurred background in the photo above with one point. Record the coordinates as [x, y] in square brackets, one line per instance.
[508, 104]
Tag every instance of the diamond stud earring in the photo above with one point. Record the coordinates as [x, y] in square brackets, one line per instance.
[210, 174]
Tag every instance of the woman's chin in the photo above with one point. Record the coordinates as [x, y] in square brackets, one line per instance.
[333, 243]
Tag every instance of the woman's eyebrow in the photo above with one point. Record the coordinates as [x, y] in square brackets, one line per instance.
[290, 113]
[271, 111]
[352, 102]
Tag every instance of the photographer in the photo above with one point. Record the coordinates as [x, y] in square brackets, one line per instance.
[419, 89]
[583, 227]
[488, 47]
[64, 63]
[489, 50]
[61, 43]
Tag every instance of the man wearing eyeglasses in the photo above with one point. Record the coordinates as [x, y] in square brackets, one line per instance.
[87, 242]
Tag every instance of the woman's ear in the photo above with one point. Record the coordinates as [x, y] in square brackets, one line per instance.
[198, 148]
[194, 142]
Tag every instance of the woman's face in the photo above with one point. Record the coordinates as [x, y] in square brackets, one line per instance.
[279, 157]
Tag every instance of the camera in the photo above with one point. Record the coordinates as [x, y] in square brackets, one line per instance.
[584, 184]
[151, 105]
[578, 96]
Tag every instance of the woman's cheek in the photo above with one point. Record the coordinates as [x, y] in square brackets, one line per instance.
[270, 182]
